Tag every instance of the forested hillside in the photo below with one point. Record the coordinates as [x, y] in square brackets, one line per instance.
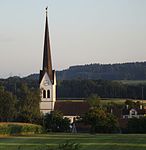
[125, 71]
[106, 81]
[102, 88]
[81, 88]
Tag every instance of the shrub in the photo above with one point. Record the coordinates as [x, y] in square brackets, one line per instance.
[136, 125]
[69, 145]
[19, 129]
[55, 122]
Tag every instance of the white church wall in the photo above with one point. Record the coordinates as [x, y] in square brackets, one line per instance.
[71, 118]
[46, 105]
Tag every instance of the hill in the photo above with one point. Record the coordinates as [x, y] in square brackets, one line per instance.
[125, 71]
[107, 81]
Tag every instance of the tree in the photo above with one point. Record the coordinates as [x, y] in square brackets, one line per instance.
[55, 122]
[132, 104]
[100, 121]
[136, 125]
[94, 101]
[7, 106]
[28, 105]
[111, 124]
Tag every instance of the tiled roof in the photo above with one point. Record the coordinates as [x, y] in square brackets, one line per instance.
[71, 108]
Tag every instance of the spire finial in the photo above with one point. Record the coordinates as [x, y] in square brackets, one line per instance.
[46, 10]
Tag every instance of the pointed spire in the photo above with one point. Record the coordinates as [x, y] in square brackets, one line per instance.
[47, 63]
[47, 11]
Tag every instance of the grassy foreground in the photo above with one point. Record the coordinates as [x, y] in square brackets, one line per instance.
[87, 141]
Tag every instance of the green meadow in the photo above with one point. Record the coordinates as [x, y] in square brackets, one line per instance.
[133, 82]
[87, 141]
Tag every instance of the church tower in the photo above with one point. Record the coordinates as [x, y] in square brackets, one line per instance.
[47, 76]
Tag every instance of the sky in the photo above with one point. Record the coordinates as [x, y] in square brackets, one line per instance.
[81, 32]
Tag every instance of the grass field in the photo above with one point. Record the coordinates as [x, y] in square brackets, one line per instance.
[87, 141]
[132, 82]
[109, 100]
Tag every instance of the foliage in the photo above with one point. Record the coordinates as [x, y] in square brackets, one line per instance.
[56, 122]
[98, 117]
[111, 124]
[28, 105]
[19, 102]
[100, 121]
[133, 104]
[94, 101]
[125, 71]
[136, 125]
[69, 145]
[114, 104]
[80, 87]
[19, 128]
[7, 105]
[102, 88]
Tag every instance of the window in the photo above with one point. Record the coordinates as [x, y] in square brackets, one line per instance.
[133, 112]
[44, 93]
[48, 93]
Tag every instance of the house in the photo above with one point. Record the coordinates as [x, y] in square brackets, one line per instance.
[133, 112]
[70, 109]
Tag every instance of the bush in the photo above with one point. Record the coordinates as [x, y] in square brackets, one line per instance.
[19, 129]
[136, 125]
[69, 145]
[55, 122]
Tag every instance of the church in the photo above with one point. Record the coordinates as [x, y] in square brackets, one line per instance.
[47, 83]
[47, 79]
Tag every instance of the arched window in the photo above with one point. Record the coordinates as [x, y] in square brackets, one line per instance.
[48, 93]
[44, 93]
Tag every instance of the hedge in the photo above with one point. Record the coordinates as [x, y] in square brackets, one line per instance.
[20, 129]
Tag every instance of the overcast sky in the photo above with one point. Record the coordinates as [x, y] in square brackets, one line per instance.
[81, 32]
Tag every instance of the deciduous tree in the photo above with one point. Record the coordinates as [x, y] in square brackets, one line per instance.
[100, 121]
[55, 122]
[7, 105]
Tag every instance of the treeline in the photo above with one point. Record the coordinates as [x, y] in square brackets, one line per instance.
[125, 71]
[80, 88]
[102, 88]
[18, 101]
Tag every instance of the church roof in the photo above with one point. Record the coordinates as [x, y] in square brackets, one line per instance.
[71, 108]
[47, 62]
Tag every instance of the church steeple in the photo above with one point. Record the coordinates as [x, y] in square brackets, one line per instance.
[47, 76]
[47, 62]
